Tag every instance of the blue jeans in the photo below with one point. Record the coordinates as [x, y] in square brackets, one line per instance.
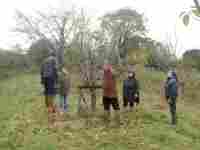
[63, 103]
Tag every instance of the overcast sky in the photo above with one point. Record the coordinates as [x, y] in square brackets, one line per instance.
[163, 17]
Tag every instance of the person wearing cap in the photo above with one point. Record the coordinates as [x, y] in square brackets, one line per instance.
[171, 93]
[49, 70]
[64, 87]
[110, 97]
[130, 91]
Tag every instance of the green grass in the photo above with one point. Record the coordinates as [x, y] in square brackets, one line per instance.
[24, 126]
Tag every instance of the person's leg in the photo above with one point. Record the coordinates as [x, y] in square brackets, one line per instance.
[50, 91]
[46, 92]
[174, 119]
[61, 101]
[106, 104]
[125, 102]
[51, 109]
[65, 107]
[46, 101]
[49, 99]
[172, 103]
[137, 101]
[131, 104]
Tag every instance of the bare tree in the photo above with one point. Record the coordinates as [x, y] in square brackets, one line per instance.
[193, 12]
[57, 28]
[87, 41]
[121, 25]
[196, 2]
[172, 43]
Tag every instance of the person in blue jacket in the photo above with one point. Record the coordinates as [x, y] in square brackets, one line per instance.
[130, 91]
[171, 93]
[49, 77]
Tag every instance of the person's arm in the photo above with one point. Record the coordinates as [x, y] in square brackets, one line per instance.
[137, 88]
[41, 74]
[124, 89]
[166, 87]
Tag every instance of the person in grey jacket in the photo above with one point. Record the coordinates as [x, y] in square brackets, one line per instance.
[171, 93]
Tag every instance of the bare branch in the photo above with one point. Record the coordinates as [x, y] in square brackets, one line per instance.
[197, 5]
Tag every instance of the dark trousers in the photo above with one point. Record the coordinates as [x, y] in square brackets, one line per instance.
[127, 102]
[49, 86]
[110, 101]
[172, 108]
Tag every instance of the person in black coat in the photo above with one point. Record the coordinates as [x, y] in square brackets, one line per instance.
[130, 91]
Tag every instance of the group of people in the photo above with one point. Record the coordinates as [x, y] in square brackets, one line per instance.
[56, 80]
[110, 96]
[131, 96]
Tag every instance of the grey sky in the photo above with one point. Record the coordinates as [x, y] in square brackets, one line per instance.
[162, 17]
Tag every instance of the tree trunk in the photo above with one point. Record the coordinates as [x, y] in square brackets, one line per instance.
[93, 100]
[60, 54]
[62, 43]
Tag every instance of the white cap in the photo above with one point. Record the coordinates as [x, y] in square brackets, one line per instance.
[169, 74]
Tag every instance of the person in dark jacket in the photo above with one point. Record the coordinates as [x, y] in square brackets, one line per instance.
[49, 80]
[130, 91]
[171, 93]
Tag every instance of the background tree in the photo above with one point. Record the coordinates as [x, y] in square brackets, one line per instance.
[87, 41]
[159, 55]
[12, 62]
[191, 59]
[193, 12]
[119, 26]
[56, 27]
[38, 51]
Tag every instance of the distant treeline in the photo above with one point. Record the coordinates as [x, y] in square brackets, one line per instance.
[12, 63]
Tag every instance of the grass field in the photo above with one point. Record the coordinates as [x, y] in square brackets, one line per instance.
[24, 126]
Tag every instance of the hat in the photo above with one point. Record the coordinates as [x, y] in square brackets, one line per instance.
[169, 74]
[131, 74]
[108, 67]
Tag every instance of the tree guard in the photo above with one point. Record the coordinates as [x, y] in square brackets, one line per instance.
[83, 100]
